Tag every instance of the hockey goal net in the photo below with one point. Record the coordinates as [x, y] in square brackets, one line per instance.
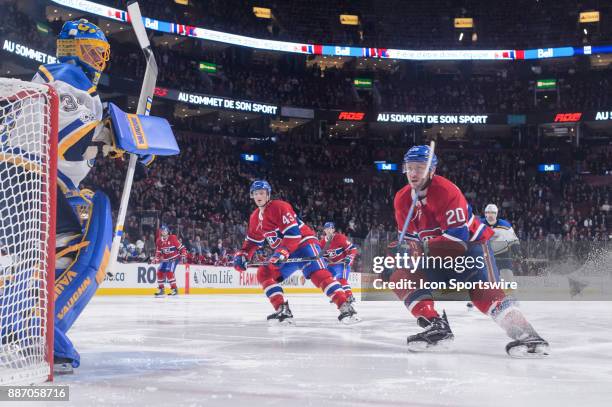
[28, 157]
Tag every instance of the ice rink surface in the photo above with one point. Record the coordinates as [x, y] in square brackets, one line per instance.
[218, 350]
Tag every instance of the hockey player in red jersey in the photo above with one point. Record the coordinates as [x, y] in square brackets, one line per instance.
[169, 250]
[443, 225]
[275, 222]
[340, 253]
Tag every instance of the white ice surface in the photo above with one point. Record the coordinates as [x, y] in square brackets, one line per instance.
[218, 351]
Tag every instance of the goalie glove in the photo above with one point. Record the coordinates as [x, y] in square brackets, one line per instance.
[240, 261]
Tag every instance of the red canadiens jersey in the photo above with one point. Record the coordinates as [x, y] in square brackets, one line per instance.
[338, 248]
[169, 249]
[278, 225]
[442, 216]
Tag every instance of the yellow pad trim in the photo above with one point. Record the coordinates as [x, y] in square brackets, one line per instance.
[70, 249]
[74, 138]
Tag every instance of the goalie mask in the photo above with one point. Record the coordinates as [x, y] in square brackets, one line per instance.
[84, 44]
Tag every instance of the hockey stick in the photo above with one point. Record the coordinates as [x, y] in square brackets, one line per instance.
[294, 260]
[415, 198]
[144, 107]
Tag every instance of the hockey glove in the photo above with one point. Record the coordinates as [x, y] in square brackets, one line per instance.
[280, 255]
[348, 260]
[240, 261]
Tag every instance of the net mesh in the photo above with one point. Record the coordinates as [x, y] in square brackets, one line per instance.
[26, 194]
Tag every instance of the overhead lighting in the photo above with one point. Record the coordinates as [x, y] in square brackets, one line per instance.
[460, 36]
[349, 19]
[584, 30]
[262, 12]
[589, 17]
[464, 22]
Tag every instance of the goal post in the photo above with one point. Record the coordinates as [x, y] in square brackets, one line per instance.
[28, 171]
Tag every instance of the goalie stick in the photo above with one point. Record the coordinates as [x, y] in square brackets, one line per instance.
[144, 107]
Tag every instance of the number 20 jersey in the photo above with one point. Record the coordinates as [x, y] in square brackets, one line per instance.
[442, 216]
[278, 225]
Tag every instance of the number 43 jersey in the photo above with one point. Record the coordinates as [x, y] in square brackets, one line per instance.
[442, 217]
[278, 225]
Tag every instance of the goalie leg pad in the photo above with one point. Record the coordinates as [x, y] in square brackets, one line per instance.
[67, 221]
[75, 285]
[64, 349]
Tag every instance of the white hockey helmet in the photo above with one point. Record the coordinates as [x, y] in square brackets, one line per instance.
[491, 208]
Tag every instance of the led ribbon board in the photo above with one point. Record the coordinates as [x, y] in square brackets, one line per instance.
[331, 50]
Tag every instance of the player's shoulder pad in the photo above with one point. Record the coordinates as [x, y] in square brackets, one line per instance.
[443, 189]
[503, 223]
[279, 205]
[402, 195]
[68, 73]
[340, 237]
[443, 185]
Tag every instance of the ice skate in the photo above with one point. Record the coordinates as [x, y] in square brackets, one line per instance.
[62, 366]
[348, 315]
[282, 316]
[532, 346]
[437, 333]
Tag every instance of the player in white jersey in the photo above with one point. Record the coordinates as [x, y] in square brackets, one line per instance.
[84, 224]
[504, 242]
[83, 51]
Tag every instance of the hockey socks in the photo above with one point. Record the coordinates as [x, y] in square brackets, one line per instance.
[162, 276]
[329, 285]
[171, 279]
[160, 279]
[424, 309]
[345, 286]
[274, 292]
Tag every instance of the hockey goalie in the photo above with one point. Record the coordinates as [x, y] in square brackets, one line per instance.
[84, 225]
